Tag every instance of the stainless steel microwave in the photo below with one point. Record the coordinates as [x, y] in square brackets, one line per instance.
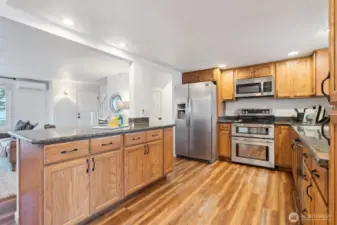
[256, 87]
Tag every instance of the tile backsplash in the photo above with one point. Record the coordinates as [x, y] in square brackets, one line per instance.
[281, 107]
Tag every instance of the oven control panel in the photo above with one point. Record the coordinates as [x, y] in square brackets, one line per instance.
[255, 112]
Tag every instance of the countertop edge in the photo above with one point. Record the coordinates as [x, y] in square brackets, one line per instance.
[87, 136]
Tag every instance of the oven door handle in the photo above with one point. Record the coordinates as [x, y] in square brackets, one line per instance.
[253, 125]
[252, 140]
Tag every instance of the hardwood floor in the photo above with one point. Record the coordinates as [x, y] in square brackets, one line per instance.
[199, 193]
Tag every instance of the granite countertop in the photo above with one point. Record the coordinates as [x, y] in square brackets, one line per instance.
[312, 138]
[52, 136]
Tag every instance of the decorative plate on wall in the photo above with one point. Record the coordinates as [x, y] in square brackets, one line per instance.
[116, 103]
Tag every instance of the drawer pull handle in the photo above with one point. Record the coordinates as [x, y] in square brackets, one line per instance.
[106, 144]
[148, 149]
[154, 135]
[93, 164]
[88, 165]
[308, 191]
[138, 138]
[314, 172]
[74, 150]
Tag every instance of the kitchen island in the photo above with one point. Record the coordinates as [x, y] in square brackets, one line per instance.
[68, 175]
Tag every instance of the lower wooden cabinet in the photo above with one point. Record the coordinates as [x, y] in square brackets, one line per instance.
[134, 160]
[153, 162]
[106, 181]
[168, 150]
[143, 164]
[320, 210]
[283, 150]
[66, 192]
[225, 143]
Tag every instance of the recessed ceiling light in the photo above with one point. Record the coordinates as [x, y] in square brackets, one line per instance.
[222, 66]
[122, 45]
[293, 53]
[68, 22]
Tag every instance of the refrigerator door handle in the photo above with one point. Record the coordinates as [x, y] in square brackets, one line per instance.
[188, 111]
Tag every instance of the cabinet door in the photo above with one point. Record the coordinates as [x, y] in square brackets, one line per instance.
[191, 77]
[66, 192]
[227, 85]
[321, 65]
[206, 75]
[264, 70]
[225, 144]
[134, 158]
[106, 181]
[303, 77]
[283, 80]
[320, 209]
[333, 69]
[307, 209]
[294, 157]
[283, 151]
[168, 150]
[244, 73]
[153, 165]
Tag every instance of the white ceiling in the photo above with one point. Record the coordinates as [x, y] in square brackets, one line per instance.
[30, 53]
[196, 34]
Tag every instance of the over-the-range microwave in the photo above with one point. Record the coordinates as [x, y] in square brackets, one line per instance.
[255, 87]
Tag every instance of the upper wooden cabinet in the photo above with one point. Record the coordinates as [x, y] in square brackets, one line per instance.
[321, 70]
[227, 85]
[295, 78]
[200, 76]
[66, 192]
[283, 151]
[263, 70]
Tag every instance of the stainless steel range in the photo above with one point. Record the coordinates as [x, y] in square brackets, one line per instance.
[253, 138]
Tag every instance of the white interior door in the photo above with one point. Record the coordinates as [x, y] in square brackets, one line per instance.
[157, 104]
[87, 102]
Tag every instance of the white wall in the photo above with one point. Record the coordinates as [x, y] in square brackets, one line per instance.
[282, 107]
[63, 107]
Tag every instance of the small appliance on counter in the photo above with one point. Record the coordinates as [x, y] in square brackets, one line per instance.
[314, 115]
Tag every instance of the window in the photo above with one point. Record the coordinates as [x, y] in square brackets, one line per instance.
[4, 108]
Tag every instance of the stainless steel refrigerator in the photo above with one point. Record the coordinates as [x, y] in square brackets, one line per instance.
[196, 117]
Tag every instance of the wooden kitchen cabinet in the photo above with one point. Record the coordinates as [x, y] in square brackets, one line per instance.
[168, 150]
[303, 77]
[295, 78]
[225, 144]
[244, 73]
[106, 181]
[283, 150]
[207, 75]
[66, 192]
[319, 208]
[153, 162]
[190, 77]
[264, 70]
[134, 168]
[294, 163]
[321, 69]
[227, 85]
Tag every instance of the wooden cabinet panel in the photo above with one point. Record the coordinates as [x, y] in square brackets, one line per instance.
[65, 151]
[227, 85]
[168, 150]
[303, 78]
[134, 159]
[264, 70]
[206, 75]
[153, 135]
[321, 69]
[294, 156]
[190, 77]
[320, 175]
[333, 61]
[106, 181]
[225, 143]
[283, 151]
[283, 79]
[66, 192]
[243, 73]
[225, 126]
[98, 145]
[320, 210]
[134, 139]
[153, 161]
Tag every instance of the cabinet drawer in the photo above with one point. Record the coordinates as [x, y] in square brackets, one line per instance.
[225, 126]
[65, 151]
[153, 135]
[104, 144]
[134, 138]
[320, 176]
